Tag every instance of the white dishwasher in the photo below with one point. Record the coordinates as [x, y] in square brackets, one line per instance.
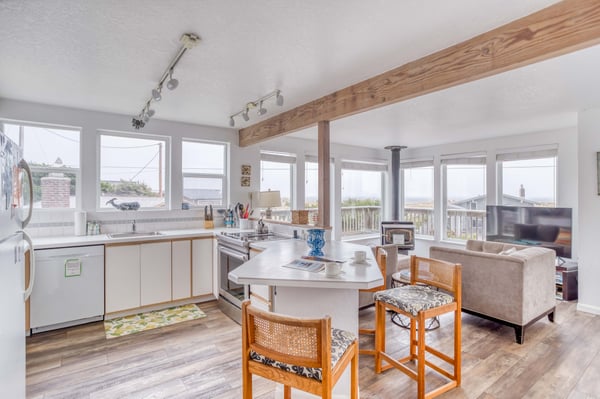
[69, 287]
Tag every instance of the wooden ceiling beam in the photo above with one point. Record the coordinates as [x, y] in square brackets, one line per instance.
[556, 30]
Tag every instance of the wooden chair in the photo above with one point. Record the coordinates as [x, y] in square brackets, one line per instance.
[419, 303]
[381, 258]
[305, 354]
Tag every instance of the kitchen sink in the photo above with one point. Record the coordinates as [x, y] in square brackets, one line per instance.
[135, 234]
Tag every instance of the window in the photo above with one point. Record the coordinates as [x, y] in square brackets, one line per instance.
[465, 194]
[362, 193]
[417, 179]
[527, 178]
[277, 174]
[132, 169]
[53, 156]
[311, 185]
[204, 173]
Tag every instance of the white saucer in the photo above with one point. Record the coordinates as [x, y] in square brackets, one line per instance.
[365, 262]
[334, 275]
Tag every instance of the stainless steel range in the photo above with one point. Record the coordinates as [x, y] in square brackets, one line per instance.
[233, 250]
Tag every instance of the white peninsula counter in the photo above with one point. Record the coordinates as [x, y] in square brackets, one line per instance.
[313, 294]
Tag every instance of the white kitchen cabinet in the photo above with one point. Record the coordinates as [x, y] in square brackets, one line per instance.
[202, 266]
[181, 269]
[122, 277]
[155, 273]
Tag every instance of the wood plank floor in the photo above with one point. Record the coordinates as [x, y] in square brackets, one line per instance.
[200, 359]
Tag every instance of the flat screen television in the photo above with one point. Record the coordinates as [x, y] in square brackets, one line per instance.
[531, 225]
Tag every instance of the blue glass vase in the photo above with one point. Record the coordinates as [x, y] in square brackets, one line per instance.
[315, 241]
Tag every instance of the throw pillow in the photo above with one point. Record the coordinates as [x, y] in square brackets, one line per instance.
[508, 251]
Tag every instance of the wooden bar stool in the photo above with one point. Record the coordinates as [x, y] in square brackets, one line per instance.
[419, 302]
[381, 258]
[305, 354]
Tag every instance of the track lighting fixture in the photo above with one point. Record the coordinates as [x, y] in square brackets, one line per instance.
[257, 103]
[188, 41]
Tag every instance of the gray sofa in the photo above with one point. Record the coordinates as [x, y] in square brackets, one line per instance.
[506, 283]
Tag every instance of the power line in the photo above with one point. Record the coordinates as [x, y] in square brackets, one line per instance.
[144, 167]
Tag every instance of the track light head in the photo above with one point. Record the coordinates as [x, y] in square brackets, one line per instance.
[245, 115]
[156, 95]
[279, 99]
[172, 83]
[231, 121]
[137, 123]
[150, 112]
[261, 110]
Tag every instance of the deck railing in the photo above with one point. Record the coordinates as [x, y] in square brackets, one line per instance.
[461, 224]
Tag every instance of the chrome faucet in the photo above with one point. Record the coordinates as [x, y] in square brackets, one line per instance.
[133, 226]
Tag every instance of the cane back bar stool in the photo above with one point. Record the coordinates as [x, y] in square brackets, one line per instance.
[306, 354]
[381, 258]
[420, 301]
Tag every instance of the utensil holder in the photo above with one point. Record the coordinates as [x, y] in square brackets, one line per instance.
[209, 224]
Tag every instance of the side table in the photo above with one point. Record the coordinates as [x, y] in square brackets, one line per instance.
[566, 283]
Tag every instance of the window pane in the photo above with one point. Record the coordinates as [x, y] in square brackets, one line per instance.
[53, 156]
[203, 158]
[132, 169]
[204, 173]
[200, 191]
[466, 201]
[529, 182]
[311, 185]
[278, 176]
[361, 201]
[418, 199]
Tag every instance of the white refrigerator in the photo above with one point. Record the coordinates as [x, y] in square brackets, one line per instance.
[13, 294]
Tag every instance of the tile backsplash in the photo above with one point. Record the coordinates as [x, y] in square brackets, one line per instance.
[61, 223]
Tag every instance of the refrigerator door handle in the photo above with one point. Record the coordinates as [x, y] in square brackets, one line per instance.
[23, 165]
[29, 288]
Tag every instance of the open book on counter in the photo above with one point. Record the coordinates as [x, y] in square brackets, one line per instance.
[311, 263]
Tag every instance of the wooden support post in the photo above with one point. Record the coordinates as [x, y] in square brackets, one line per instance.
[324, 175]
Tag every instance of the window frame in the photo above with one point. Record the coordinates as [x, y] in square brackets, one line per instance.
[167, 161]
[459, 159]
[286, 159]
[416, 164]
[223, 177]
[46, 169]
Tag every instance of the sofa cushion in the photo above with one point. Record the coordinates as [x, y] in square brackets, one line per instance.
[509, 250]
[492, 247]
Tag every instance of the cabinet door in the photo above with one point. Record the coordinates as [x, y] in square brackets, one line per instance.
[181, 269]
[122, 265]
[155, 284]
[202, 266]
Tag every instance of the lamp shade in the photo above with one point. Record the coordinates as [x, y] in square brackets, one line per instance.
[269, 199]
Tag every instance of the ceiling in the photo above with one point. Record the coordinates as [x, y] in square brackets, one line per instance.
[108, 56]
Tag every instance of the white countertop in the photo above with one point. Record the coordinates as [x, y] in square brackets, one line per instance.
[267, 268]
[101, 239]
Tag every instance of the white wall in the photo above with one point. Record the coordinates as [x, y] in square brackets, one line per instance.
[567, 182]
[589, 211]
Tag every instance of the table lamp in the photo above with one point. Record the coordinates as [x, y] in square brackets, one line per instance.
[269, 199]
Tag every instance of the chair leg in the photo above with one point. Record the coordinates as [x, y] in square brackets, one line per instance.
[457, 345]
[379, 334]
[354, 376]
[246, 382]
[420, 355]
[287, 392]
[413, 338]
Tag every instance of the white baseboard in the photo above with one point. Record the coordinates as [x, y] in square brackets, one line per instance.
[588, 308]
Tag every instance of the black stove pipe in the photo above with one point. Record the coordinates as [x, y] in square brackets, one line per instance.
[395, 179]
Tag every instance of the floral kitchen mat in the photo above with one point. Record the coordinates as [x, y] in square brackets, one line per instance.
[147, 321]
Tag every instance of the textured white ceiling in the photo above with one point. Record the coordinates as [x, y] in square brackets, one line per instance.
[108, 55]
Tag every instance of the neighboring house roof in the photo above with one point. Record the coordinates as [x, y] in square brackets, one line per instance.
[201, 193]
[507, 197]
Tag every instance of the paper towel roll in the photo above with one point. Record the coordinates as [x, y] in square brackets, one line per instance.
[80, 223]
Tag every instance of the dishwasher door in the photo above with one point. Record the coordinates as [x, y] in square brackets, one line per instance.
[69, 287]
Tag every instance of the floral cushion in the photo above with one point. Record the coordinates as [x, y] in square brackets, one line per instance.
[413, 298]
[340, 341]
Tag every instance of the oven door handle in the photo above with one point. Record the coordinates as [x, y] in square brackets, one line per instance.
[233, 254]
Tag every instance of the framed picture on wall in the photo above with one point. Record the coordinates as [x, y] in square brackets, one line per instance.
[245, 181]
[246, 170]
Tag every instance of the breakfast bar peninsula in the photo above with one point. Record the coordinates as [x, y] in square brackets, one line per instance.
[313, 294]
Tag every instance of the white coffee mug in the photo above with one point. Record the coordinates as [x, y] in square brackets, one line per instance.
[360, 256]
[333, 268]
